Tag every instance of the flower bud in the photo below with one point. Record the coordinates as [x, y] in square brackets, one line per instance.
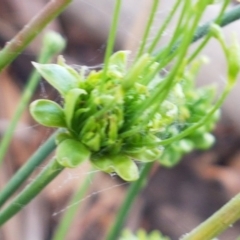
[233, 61]
[54, 42]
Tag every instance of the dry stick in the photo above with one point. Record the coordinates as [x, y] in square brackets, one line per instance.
[14, 47]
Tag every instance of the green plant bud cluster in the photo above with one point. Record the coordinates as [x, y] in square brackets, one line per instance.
[194, 106]
[142, 235]
[105, 119]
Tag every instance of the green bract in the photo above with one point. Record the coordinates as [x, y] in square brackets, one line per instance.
[118, 120]
[59, 77]
[70, 153]
[48, 113]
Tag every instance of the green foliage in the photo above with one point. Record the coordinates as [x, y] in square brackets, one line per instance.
[127, 113]
[100, 114]
[48, 113]
[142, 235]
[70, 153]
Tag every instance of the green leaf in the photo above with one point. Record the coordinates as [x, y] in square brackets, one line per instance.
[47, 113]
[117, 64]
[120, 164]
[125, 168]
[71, 153]
[170, 157]
[71, 101]
[145, 154]
[59, 77]
[136, 71]
[204, 141]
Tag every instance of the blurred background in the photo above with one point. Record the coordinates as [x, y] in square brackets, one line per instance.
[174, 200]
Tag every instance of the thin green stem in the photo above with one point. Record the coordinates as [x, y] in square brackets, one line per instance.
[198, 124]
[218, 222]
[48, 51]
[208, 35]
[183, 21]
[228, 17]
[14, 47]
[24, 172]
[165, 85]
[148, 27]
[70, 212]
[133, 190]
[111, 37]
[165, 54]
[31, 190]
[163, 26]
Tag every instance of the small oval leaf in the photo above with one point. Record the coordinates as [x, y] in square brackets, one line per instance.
[71, 153]
[47, 113]
[103, 163]
[125, 168]
[59, 77]
[121, 164]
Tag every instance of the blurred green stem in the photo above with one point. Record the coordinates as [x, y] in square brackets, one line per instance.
[24, 172]
[164, 26]
[208, 34]
[227, 18]
[14, 47]
[217, 223]
[34, 188]
[48, 51]
[66, 221]
[112, 36]
[133, 190]
[148, 28]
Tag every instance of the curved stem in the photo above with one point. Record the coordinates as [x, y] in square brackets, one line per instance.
[148, 28]
[133, 190]
[14, 47]
[227, 18]
[217, 223]
[31, 190]
[24, 172]
[163, 26]
[208, 35]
